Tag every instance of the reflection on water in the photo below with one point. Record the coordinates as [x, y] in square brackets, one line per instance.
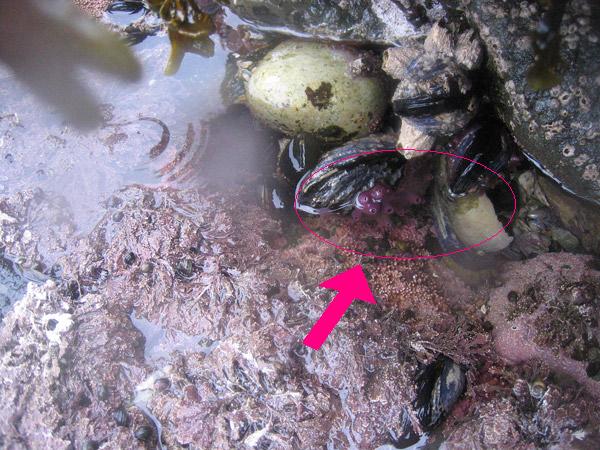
[37, 149]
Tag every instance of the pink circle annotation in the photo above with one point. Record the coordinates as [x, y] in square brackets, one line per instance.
[404, 258]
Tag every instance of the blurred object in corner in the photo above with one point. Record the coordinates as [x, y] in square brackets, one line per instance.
[44, 42]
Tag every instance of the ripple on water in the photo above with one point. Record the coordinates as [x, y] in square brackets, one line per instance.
[38, 150]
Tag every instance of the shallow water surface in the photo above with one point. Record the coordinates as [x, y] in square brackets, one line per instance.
[38, 150]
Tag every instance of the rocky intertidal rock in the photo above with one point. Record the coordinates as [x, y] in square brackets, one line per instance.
[559, 127]
[376, 21]
[547, 312]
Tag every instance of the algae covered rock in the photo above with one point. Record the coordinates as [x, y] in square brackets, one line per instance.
[545, 311]
[310, 87]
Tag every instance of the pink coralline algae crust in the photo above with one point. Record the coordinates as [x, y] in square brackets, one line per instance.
[234, 292]
[547, 311]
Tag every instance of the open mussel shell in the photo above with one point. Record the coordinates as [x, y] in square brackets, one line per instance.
[470, 204]
[333, 185]
[487, 143]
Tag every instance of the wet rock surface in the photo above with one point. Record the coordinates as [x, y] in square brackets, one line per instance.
[379, 21]
[12, 284]
[177, 320]
[202, 332]
[559, 127]
[38, 226]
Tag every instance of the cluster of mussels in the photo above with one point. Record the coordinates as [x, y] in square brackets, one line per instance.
[334, 156]
[441, 102]
[330, 102]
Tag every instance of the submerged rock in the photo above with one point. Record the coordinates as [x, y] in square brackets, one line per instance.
[309, 87]
[228, 337]
[560, 127]
[12, 284]
[376, 21]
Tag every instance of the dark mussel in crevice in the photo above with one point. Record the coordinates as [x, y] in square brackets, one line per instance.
[485, 142]
[440, 90]
[296, 156]
[438, 387]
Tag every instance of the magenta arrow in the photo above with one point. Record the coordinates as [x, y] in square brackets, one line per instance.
[351, 284]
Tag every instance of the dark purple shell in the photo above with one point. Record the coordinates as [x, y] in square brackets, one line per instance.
[439, 386]
[487, 143]
[336, 186]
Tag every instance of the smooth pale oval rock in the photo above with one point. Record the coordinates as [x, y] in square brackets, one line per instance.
[309, 87]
